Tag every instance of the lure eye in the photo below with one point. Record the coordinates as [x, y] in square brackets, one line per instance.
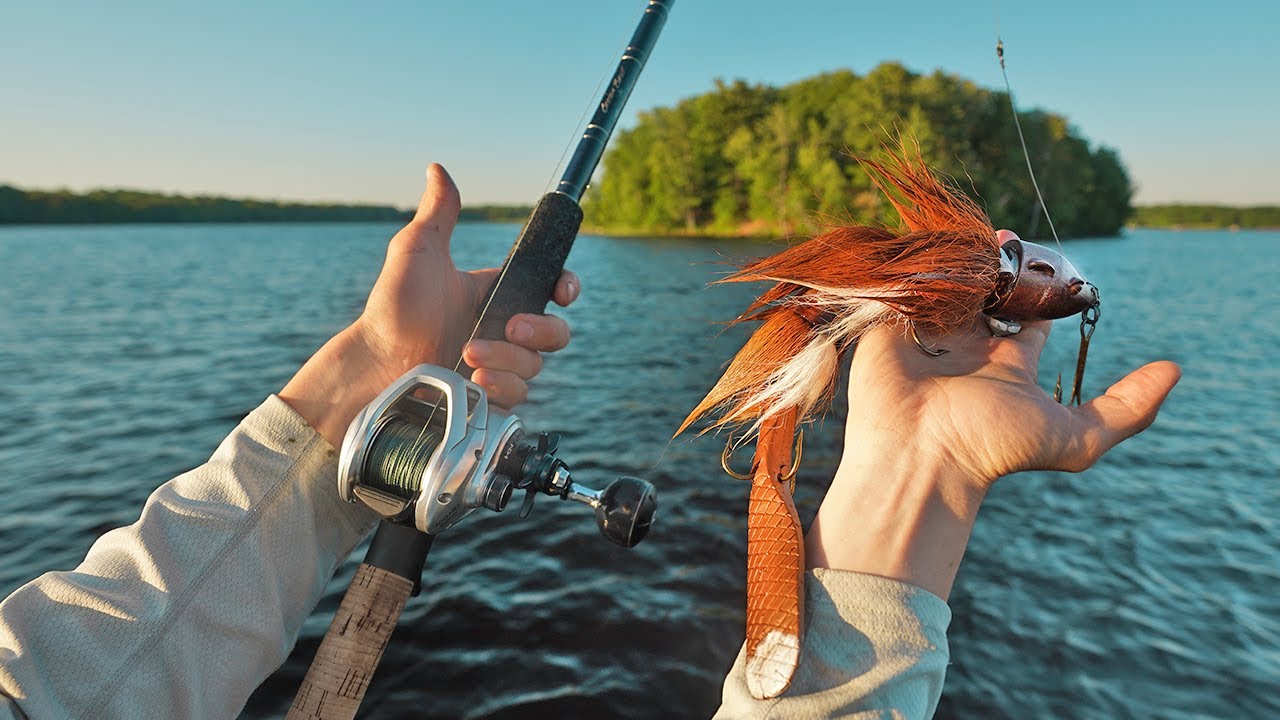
[1041, 267]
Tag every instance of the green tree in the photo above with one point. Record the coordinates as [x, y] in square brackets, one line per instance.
[749, 158]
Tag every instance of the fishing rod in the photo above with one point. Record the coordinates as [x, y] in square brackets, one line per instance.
[429, 450]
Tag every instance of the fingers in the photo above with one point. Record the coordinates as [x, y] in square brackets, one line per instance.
[1126, 409]
[503, 367]
[504, 389]
[436, 216]
[1034, 334]
[1020, 352]
[502, 357]
[1130, 406]
[544, 333]
[527, 336]
[567, 288]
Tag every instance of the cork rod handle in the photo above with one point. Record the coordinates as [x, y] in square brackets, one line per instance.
[352, 647]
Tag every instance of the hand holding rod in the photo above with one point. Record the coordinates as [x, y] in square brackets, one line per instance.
[529, 273]
[354, 643]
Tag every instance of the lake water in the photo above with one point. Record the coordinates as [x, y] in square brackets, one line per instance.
[1146, 587]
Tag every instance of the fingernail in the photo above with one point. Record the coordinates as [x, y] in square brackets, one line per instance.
[572, 285]
[521, 332]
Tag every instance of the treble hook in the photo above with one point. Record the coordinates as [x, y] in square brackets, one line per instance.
[931, 352]
[1088, 322]
[789, 478]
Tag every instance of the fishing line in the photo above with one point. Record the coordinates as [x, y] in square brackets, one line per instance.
[595, 93]
[555, 173]
[399, 456]
[1021, 139]
[520, 240]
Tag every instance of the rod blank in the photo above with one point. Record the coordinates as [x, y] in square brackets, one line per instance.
[591, 148]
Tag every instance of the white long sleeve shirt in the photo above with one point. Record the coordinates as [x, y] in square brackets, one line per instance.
[185, 612]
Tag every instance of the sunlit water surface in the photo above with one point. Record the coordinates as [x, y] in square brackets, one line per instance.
[1148, 586]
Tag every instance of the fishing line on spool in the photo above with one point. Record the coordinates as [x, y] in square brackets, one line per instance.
[399, 455]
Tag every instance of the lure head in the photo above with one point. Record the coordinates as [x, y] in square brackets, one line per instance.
[1037, 283]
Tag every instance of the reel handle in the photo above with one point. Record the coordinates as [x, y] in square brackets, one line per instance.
[624, 508]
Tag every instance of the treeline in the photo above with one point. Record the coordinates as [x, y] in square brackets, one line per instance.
[756, 159]
[1206, 216]
[131, 206]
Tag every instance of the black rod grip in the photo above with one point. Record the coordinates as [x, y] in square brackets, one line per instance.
[531, 269]
[400, 550]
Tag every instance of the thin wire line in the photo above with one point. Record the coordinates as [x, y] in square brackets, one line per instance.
[493, 291]
[1021, 139]
[582, 120]
[595, 94]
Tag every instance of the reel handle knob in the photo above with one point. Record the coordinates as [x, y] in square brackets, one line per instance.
[624, 508]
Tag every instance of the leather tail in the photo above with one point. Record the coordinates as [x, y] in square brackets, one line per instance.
[775, 564]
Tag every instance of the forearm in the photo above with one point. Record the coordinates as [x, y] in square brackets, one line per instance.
[883, 553]
[183, 613]
[897, 513]
[335, 384]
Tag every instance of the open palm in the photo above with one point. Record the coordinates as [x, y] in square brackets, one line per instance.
[978, 407]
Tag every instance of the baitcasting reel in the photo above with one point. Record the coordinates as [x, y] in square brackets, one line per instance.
[429, 450]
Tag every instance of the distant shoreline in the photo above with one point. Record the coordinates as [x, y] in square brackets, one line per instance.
[62, 207]
[1197, 228]
[1188, 216]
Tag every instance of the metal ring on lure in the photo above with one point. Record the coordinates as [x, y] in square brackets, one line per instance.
[790, 477]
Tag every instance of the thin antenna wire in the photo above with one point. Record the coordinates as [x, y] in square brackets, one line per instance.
[1018, 124]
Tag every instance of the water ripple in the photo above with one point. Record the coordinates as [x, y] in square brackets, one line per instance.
[1146, 587]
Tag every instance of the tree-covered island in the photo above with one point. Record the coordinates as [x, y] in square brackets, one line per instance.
[756, 159]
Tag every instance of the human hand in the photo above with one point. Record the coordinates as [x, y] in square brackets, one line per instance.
[927, 436]
[978, 410]
[422, 309]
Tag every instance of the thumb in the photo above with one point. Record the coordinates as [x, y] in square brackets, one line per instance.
[436, 216]
[1128, 407]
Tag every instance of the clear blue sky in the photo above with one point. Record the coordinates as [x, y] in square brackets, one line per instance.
[350, 101]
